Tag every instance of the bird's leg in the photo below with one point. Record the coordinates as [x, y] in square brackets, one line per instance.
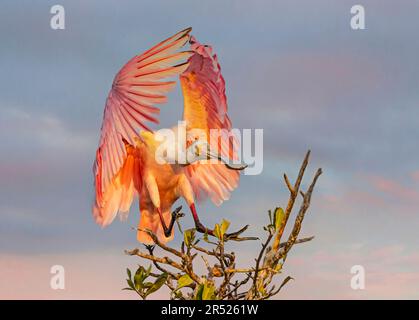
[175, 215]
[163, 223]
[228, 236]
[198, 225]
[185, 190]
[153, 191]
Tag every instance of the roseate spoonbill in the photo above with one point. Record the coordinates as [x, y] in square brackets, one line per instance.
[125, 164]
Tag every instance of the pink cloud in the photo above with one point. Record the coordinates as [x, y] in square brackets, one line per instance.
[387, 252]
[348, 200]
[394, 188]
[391, 273]
[415, 176]
[87, 276]
[372, 192]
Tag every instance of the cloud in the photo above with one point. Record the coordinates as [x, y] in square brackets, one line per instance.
[391, 273]
[46, 131]
[373, 192]
[395, 189]
[92, 275]
[415, 176]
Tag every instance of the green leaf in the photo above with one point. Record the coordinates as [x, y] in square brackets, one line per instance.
[160, 281]
[205, 237]
[217, 231]
[224, 226]
[208, 292]
[140, 270]
[131, 284]
[129, 273]
[279, 215]
[278, 267]
[139, 277]
[220, 229]
[189, 237]
[199, 292]
[184, 281]
[148, 271]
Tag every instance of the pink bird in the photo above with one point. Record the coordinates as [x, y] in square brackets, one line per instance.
[126, 165]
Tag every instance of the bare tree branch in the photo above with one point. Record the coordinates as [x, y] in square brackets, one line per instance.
[293, 195]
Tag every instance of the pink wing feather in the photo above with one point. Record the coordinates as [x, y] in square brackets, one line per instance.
[205, 107]
[137, 87]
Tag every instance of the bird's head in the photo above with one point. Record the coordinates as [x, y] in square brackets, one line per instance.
[201, 150]
[198, 150]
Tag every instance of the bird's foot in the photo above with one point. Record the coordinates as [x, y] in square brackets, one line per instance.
[176, 214]
[202, 229]
[235, 236]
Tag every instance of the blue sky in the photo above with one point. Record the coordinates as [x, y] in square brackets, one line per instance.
[294, 68]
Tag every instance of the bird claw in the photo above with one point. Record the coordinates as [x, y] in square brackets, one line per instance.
[202, 229]
[150, 248]
[176, 214]
[237, 233]
[234, 236]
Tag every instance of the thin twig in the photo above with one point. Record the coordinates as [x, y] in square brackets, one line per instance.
[159, 267]
[162, 245]
[298, 241]
[259, 258]
[238, 285]
[300, 217]
[164, 260]
[293, 195]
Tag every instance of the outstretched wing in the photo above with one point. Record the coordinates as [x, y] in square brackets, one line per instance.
[130, 106]
[205, 108]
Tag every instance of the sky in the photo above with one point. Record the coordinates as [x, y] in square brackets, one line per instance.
[295, 69]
